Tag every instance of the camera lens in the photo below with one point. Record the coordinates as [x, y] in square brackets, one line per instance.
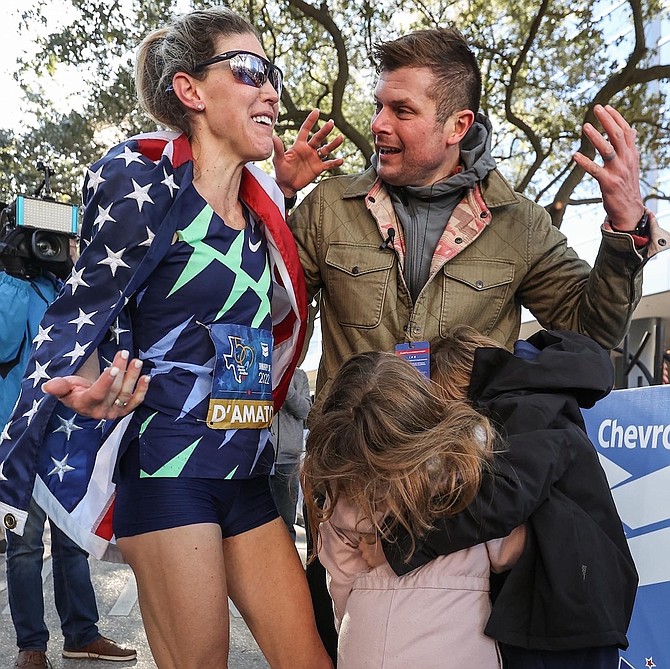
[49, 247]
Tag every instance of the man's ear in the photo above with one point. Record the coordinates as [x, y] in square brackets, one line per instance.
[458, 125]
[186, 89]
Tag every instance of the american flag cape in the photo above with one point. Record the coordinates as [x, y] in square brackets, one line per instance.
[132, 209]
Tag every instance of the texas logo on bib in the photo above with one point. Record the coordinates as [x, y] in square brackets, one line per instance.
[241, 395]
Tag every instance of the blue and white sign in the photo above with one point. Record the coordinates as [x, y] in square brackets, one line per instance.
[631, 432]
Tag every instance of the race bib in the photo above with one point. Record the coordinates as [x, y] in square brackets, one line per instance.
[241, 395]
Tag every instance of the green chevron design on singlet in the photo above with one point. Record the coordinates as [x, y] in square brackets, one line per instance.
[173, 468]
[203, 255]
[231, 473]
[145, 425]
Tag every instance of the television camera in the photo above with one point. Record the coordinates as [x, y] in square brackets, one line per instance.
[35, 233]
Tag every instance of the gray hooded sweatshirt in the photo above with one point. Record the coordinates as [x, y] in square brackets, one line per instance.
[423, 211]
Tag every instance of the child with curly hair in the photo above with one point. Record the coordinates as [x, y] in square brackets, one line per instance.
[387, 451]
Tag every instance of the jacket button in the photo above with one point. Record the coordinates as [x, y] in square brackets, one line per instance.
[484, 214]
[371, 199]
[10, 521]
[404, 328]
[417, 329]
[479, 284]
[458, 240]
[662, 242]
[355, 270]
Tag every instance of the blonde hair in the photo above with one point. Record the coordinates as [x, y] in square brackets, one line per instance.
[452, 358]
[387, 442]
[190, 39]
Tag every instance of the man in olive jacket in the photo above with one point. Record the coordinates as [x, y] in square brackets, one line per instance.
[432, 235]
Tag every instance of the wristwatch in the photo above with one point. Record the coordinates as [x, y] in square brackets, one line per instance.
[641, 229]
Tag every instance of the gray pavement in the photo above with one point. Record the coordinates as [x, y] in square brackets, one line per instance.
[116, 594]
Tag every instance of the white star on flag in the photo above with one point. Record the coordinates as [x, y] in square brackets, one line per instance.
[61, 467]
[2, 473]
[140, 194]
[103, 216]
[117, 331]
[169, 182]
[113, 259]
[67, 426]
[42, 335]
[83, 319]
[77, 352]
[149, 239]
[129, 156]
[30, 414]
[75, 281]
[94, 179]
[39, 373]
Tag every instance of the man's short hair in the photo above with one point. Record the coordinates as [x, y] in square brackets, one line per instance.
[446, 53]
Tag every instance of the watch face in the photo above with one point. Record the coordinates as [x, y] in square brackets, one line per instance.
[643, 226]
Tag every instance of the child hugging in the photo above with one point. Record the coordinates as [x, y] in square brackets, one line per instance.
[388, 450]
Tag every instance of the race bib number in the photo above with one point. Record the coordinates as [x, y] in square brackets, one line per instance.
[241, 395]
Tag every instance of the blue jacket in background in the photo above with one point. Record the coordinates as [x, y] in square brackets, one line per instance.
[22, 305]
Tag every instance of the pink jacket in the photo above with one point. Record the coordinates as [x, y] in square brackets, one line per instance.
[431, 618]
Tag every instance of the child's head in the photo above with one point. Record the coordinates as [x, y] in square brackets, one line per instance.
[386, 441]
[452, 358]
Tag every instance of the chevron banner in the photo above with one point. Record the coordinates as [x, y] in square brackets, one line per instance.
[631, 431]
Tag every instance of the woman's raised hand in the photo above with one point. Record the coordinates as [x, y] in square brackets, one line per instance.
[308, 157]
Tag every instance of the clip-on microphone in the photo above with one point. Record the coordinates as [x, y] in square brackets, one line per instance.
[389, 240]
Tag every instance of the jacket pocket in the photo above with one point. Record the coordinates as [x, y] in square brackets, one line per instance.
[357, 279]
[475, 292]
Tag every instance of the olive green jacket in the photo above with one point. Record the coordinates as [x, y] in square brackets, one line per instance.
[499, 251]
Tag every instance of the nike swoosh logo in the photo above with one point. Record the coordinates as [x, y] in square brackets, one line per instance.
[254, 247]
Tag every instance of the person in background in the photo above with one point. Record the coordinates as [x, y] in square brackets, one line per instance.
[26, 290]
[289, 442]
[189, 277]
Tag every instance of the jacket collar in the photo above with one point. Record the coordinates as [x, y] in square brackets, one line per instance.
[495, 189]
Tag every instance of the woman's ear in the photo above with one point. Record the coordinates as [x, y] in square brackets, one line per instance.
[187, 91]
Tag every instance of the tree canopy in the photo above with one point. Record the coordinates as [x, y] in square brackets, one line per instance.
[545, 65]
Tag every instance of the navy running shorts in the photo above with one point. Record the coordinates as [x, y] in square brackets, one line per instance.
[149, 504]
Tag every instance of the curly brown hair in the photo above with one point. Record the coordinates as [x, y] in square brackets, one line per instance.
[389, 443]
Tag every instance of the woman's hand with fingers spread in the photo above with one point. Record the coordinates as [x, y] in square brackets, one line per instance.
[308, 157]
[118, 390]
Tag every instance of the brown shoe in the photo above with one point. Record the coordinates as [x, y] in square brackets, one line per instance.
[101, 649]
[32, 659]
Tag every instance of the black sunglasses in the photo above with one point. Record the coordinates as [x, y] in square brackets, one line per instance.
[248, 68]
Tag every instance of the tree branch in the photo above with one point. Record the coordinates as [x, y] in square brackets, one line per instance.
[515, 120]
[322, 16]
[616, 83]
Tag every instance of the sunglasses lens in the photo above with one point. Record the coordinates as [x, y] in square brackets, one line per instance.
[276, 79]
[253, 71]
